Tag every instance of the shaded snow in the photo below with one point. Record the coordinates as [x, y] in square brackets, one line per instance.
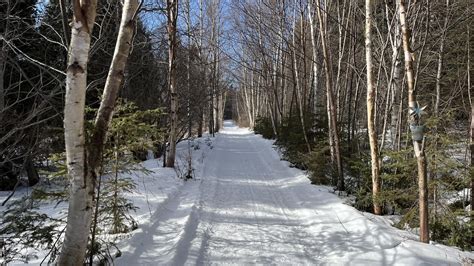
[153, 190]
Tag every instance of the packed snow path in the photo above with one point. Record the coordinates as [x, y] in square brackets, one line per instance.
[248, 207]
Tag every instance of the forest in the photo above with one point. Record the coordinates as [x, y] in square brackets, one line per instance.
[371, 100]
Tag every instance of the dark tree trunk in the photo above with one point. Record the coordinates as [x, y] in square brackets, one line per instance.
[31, 172]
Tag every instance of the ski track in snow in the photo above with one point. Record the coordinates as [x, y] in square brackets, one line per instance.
[246, 206]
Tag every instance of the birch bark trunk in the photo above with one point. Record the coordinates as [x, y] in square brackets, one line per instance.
[217, 92]
[440, 61]
[202, 65]
[82, 188]
[247, 99]
[371, 92]
[472, 125]
[437, 105]
[315, 56]
[414, 120]
[298, 84]
[396, 82]
[188, 86]
[172, 14]
[331, 107]
[83, 180]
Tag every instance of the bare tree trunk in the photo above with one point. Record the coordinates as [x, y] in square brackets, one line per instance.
[277, 113]
[472, 125]
[3, 60]
[217, 100]
[218, 110]
[396, 82]
[200, 123]
[82, 187]
[350, 87]
[438, 76]
[211, 107]
[202, 66]
[62, 6]
[315, 56]
[297, 84]
[332, 112]
[247, 100]
[343, 21]
[371, 92]
[252, 91]
[113, 83]
[440, 61]
[188, 85]
[415, 124]
[31, 172]
[2, 79]
[217, 91]
[437, 104]
[81, 199]
[172, 13]
[188, 74]
[396, 94]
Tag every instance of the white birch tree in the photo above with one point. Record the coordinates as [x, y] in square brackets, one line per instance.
[82, 188]
[172, 15]
[83, 170]
[415, 125]
[371, 94]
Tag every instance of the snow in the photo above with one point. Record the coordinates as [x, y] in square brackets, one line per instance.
[247, 206]
[153, 190]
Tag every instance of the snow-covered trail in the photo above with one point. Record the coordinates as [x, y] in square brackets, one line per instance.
[249, 207]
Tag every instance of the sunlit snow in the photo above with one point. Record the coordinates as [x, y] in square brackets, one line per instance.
[247, 206]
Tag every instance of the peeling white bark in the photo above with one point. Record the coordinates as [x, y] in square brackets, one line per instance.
[83, 171]
[81, 190]
[371, 99]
